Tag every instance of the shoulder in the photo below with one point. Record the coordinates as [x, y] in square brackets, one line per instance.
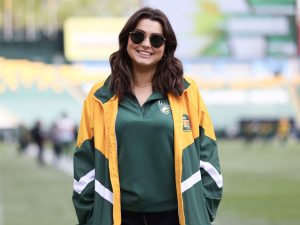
[192, 93]
[190, 85]
[101, 91]
[95, 87]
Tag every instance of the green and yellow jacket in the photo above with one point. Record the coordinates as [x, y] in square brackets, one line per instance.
[96, 190]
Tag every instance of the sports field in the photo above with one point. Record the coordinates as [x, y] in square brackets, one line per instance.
[261, 187]
[31, 194]
[261, 183]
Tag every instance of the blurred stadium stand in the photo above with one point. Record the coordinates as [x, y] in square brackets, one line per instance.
[31, 90]
[256, 82]
[43, 49]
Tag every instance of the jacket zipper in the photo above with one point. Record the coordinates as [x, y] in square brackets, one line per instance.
[144, 218]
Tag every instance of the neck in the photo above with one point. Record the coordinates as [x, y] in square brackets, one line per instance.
[142, 78]
[142, 85]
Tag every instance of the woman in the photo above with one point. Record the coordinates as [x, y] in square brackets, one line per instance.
[147, 151]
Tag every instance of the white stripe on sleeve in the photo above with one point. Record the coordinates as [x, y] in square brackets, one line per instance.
[80, 185]
[211, 170]
[191, 181]
[104, 192]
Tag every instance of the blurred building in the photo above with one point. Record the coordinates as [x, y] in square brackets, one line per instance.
[243, 55]
[37, 81]
[33, 29]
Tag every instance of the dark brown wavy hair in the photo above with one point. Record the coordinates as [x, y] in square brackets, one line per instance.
[168, 77]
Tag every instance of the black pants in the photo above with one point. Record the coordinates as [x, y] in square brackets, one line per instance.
[157, 218]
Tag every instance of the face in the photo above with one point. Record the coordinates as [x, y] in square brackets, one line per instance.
[145, 55]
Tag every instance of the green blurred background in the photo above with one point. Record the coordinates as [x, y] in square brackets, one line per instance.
[244, 56]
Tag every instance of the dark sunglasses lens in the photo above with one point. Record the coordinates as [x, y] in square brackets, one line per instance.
[157, 40]
[137, 37]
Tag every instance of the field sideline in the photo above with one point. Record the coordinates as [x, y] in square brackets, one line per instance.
[261, 183]
[261, 187]
[33, 194]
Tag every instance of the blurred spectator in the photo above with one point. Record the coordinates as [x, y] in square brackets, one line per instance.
[65, 131]
[266, 131]
[250, 130]
[283, 129]
[23, 136]
[38, 138]
[75, 132]
[54, 136]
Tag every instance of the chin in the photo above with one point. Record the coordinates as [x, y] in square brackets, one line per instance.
[147, 61]
[145, 64]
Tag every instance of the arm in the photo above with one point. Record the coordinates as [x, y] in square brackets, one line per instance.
[209, 160]
[211, 174]
[84, 172]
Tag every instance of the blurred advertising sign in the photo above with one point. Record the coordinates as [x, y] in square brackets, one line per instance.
[255, 104]
[91, 39]
[238, 29]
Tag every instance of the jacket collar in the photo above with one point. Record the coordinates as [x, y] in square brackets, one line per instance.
[186, 84]
[104, 94]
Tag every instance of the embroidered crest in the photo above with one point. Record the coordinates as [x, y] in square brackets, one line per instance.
[186, 123]
[164, 106]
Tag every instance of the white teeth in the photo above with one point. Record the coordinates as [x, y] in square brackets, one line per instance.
[144, 53]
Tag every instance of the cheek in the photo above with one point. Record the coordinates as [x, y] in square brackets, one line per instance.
[161, 52]
[128, 46]
[129, 49]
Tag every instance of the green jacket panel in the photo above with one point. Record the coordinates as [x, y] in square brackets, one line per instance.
[198, 178]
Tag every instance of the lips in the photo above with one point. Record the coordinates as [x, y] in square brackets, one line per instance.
[144, 53]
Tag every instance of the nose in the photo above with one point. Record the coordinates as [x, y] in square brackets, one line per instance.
[146, 42]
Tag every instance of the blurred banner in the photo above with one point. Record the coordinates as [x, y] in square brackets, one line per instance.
[237, 29]
[91, 39]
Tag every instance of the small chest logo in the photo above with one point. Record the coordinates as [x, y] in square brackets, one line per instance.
[164, 107]
[186, 123]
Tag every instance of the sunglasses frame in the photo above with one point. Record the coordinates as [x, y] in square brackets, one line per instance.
[151, 35]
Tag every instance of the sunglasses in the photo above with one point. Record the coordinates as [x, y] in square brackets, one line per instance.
[156, 40]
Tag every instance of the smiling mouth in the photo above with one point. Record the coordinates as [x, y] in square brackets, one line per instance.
[144, 53]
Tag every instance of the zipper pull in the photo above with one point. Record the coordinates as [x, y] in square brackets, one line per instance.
[144, 218]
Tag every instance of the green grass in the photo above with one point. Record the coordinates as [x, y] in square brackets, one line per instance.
[31, 194]
[261, 187]
[261, 184]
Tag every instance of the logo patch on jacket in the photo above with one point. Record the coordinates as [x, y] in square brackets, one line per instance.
[186, 122]
[164, 106]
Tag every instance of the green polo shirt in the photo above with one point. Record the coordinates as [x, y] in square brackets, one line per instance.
[145, 140]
